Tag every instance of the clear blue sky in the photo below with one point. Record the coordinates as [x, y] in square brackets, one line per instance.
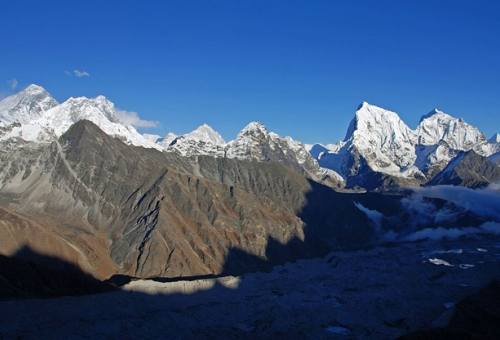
[300, 67]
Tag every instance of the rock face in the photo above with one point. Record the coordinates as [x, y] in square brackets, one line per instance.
[468, 169]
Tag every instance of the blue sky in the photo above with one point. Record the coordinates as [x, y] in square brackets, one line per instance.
[300, 67]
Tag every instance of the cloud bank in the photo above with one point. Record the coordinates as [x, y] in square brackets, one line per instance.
[483, 202]
[452, 233]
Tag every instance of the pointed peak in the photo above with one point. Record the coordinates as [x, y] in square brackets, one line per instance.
[254, 127]
[34, 88]
[435, 112]
[363, 104]
[367, 112]
[205, 133]
[204, 127]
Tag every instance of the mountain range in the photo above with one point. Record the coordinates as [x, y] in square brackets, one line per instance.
[78, 183]
[379, 151]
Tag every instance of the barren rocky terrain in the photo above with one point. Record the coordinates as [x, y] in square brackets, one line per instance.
[382, 293]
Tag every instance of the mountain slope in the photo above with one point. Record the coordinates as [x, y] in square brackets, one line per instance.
[161, 214]
[468, 169]
[255, 142]
[438, 126]
[377, 152]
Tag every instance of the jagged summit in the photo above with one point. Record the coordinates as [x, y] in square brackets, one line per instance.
[34, 88]
[433, 112]
[33, 115]
[252, 128]
[441, 126]
[382, 138]
[205, 133]
[26, 105]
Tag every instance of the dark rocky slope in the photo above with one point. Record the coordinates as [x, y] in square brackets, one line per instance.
[468, 169]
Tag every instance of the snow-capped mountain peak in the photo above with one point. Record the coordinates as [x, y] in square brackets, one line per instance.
[253, 129]
[205, 133]
[439, 126]
[201, 141]
[33, 115]
[382, 138]
[435, 112]
[25, 105]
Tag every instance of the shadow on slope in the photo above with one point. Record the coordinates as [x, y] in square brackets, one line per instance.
[28, 274]
[331, 221]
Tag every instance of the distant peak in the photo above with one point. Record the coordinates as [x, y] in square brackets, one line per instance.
[205, 133]
[362, 104]
[367, 111]
[365, 106]
[435, 112]
[34, 88]
[254, 126]
[204, 127]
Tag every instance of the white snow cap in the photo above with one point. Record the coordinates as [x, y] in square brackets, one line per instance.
[40, 118]
[253, 128]
[25, 105]
[438, 126]
[206, 134]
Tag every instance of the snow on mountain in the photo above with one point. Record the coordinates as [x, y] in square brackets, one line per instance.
[381, 138]
[206, 134]
[167, 140]
[36, 117]
[439, 126]
[255, 142]
[151, 137]
[25, 105]
[447, 136]
[201, 141]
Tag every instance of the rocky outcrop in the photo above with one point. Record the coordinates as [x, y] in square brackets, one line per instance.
[468, 169]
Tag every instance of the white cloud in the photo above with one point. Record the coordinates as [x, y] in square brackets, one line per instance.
[13, 83]
[77, 73]
[453, 233]
[373, 215]
[132, 118]
[483, 202]
[80, 74]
